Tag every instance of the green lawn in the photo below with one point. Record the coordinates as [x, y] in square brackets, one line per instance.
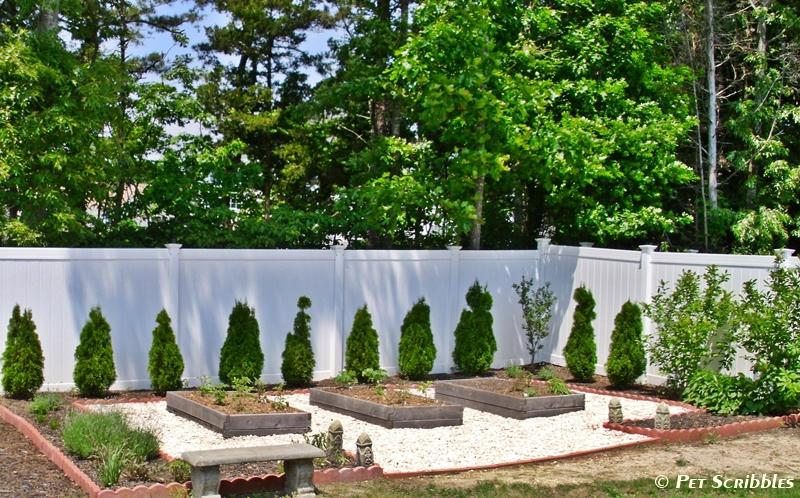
[493, 489]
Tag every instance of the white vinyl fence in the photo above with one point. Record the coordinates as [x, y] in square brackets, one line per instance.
[198, 287]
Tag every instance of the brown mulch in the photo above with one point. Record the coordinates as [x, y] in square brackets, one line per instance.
[693, 421]
[237, 404]
[518, 388]
[390, 396]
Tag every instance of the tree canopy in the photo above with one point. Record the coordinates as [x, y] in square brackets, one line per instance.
[481, 123]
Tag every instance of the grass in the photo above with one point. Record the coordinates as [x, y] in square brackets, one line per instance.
[109, 439]
[494, 489]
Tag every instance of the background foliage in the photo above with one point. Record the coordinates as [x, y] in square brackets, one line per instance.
[486, 123]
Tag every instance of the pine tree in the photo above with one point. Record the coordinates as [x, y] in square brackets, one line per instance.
[166, 363]
[361, 350]
[23, 360]
[475, 342]
[417, 351]
[298, 363]
[626, 359]
[241, 355]
[581, 351]
[94, 357]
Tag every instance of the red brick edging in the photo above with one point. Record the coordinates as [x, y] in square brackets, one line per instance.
[689, 435]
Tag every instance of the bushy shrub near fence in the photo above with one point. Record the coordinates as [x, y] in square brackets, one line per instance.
[298, 362]
[165, 364]
[241, 355]
[416, 352]
[361, 351]
[580, 352]
[23, 360]
[94, 357]
[626, 357]
[475, 343]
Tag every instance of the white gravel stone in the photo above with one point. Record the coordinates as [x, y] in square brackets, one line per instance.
[483, 439]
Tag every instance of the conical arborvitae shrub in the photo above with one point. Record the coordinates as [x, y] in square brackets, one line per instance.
[417, 351]
[298, 363]
[580, 352]
[241, 355]
[361, 351]
[626, 359]
[475, 343]
[23, 360]
[94, 356]
[166, 363]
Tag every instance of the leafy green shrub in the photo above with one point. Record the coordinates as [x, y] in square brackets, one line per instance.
[719, 393]
[166, 363]
[298, 363]
[43, 404]
[417, 351]
[241, 354]
[580, 351]
[770, 336]
[547, 373]
[693, 329]
[94, 366]
[23, 360]
[475, 343]
[626, 358]
[180, 470]
[537, 310]
[361, 351]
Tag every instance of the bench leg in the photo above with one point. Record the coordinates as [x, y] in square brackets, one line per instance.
[205, 482]
[299, 475]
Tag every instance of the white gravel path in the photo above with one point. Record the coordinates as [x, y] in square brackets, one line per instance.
[483, 439]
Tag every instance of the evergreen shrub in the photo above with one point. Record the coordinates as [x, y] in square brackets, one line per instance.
[361, 352]
[298, 363]
[626, 359]
[241, 354]
[23, 360]
[475, 343]
[417, 351]
[580, 351]
[94, 357]
[165, 364]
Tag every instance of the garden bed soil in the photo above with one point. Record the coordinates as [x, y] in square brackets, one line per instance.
[392, 409]
[696, 420]
[244, 416]
[507, 398]
[153, 472]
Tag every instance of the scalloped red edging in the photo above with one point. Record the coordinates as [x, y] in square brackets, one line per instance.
[690, 435]
[239, 485]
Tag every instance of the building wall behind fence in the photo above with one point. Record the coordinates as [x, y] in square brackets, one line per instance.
[199, 287]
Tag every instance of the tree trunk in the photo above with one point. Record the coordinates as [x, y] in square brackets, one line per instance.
[712, 106]
[475, 230]
[48, 16]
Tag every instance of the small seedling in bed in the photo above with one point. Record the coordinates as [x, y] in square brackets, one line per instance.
[242, 387]
[531, 393]
[280, 403]
[374, 376]
[346, 378]
[547, 374]
[515, 371]
[379, 389]
[424, 386]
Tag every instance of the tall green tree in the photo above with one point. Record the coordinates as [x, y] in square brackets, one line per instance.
[23, 360]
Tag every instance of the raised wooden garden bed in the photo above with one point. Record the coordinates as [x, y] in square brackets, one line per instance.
[466, 393]
[431, 414]
[245, 424]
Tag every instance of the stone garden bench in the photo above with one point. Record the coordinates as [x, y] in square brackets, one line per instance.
[298, 465]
